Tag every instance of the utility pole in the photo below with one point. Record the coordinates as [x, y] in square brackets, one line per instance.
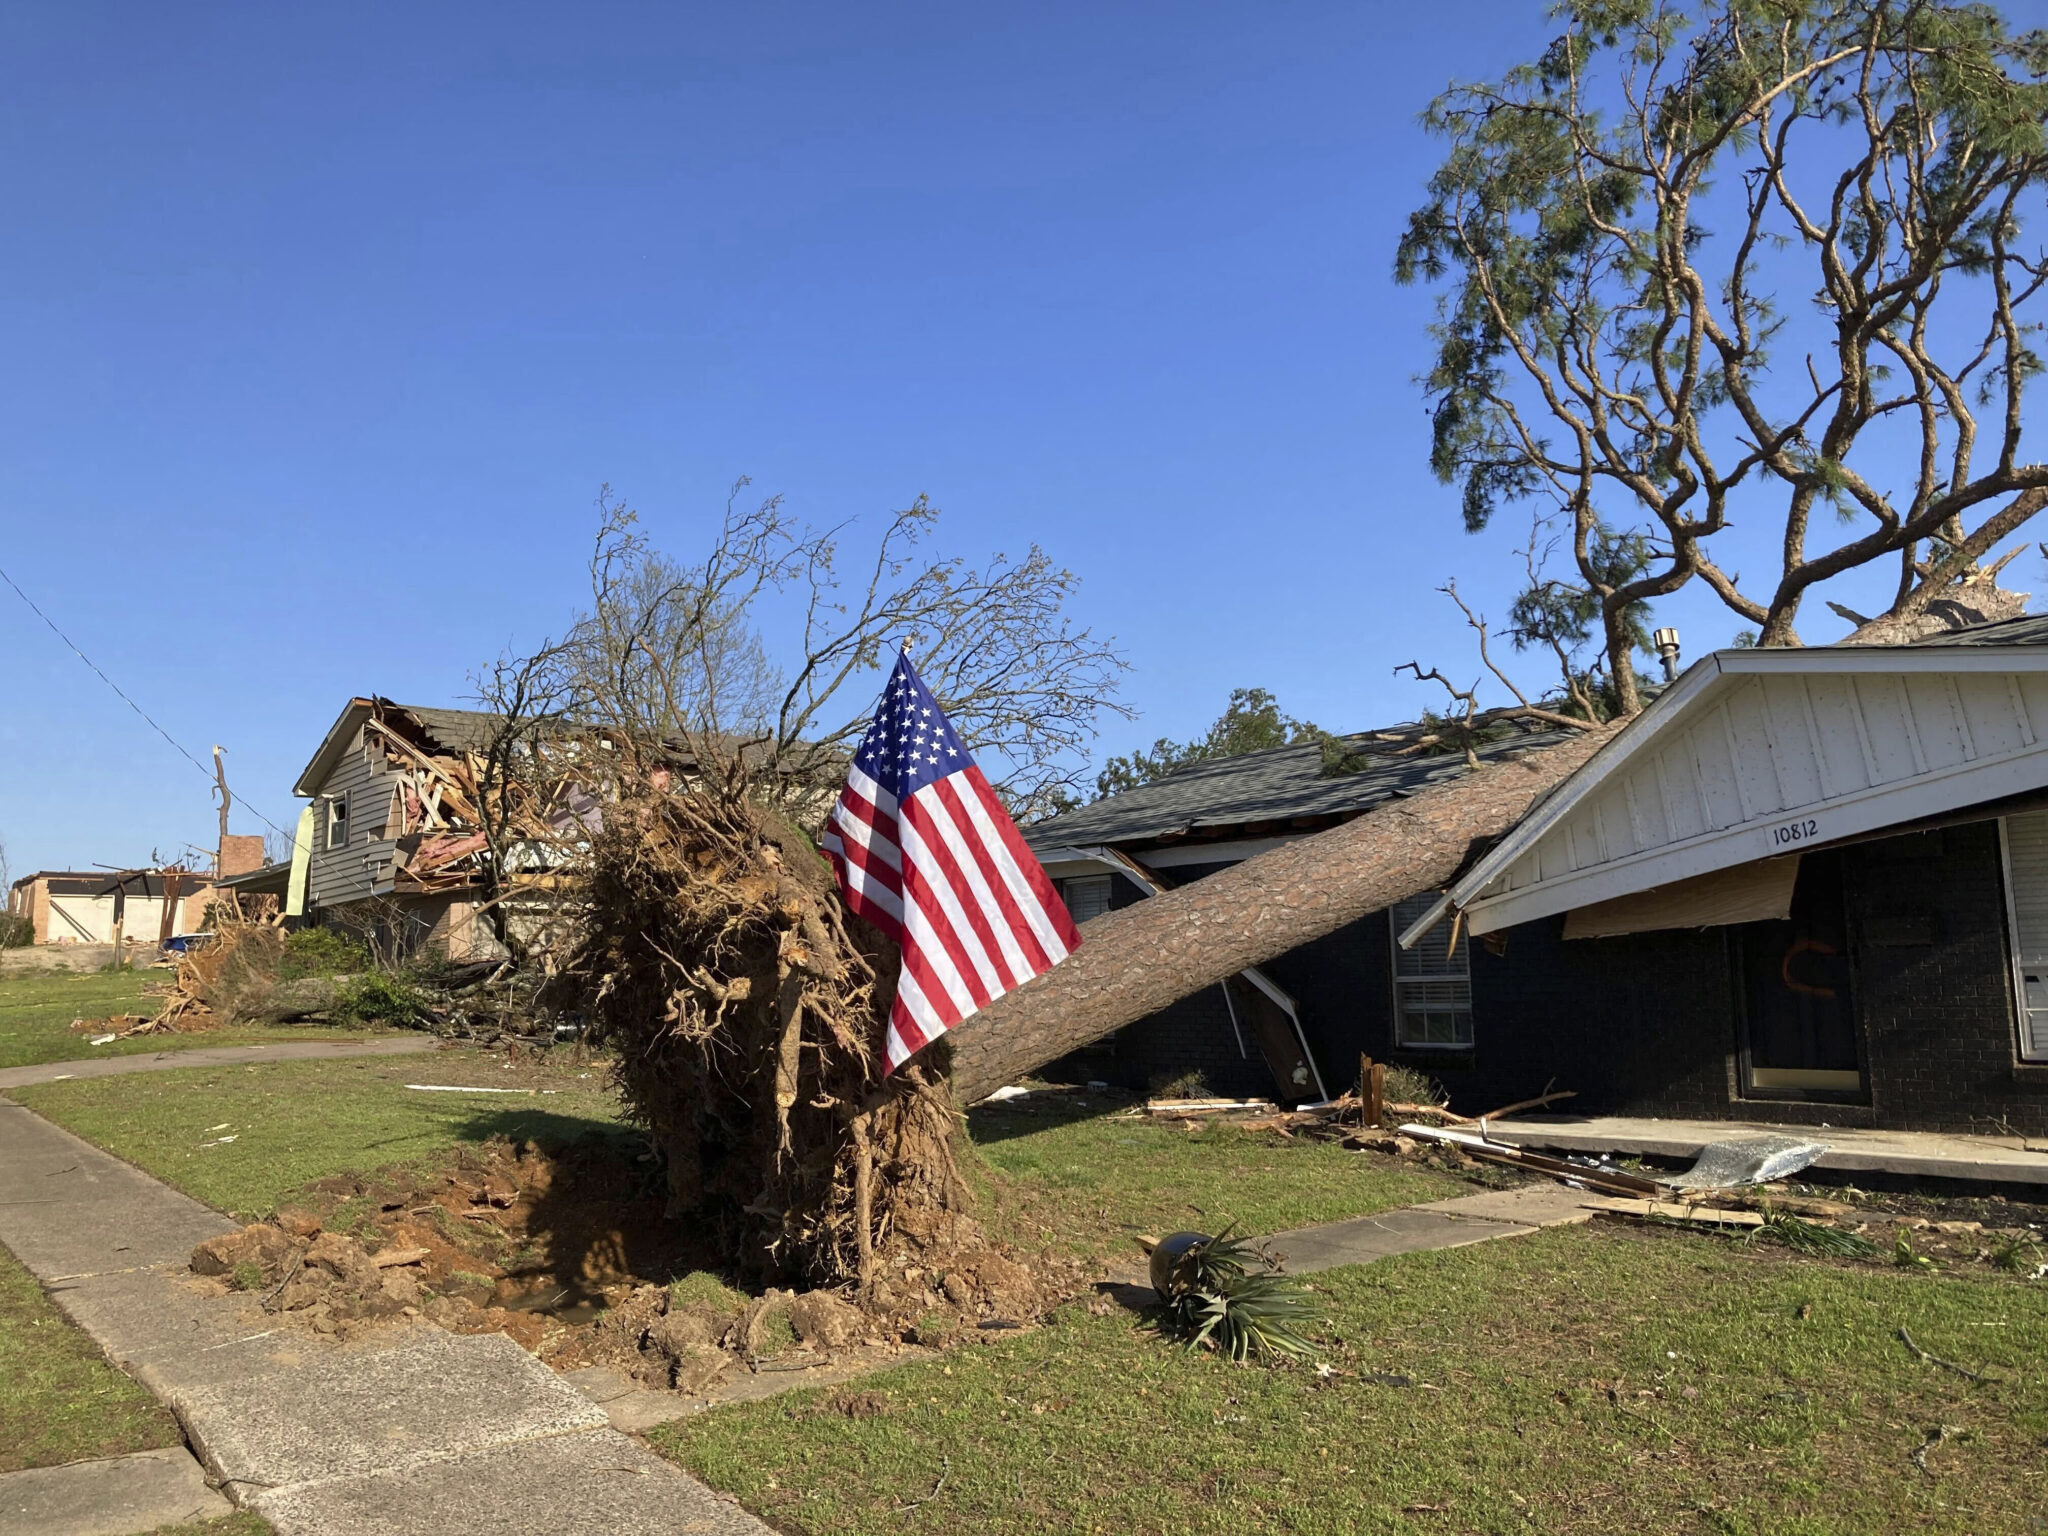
[120, 915]
[220, 849]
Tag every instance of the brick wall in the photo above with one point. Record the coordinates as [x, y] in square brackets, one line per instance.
[1933, 984]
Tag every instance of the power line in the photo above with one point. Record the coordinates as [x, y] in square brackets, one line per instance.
[205, 771]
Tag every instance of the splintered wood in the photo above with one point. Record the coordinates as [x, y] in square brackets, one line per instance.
[446, 806]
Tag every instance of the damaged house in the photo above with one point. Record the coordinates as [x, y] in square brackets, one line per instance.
[394, 842]
[1804, 885]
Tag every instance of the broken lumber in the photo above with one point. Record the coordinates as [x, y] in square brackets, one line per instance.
[1145, 957]
[1673, 1210]
[1610, 1181]
[1175, 1108]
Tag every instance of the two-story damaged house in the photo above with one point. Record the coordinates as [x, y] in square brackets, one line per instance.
[393, 842]
[1803, 885]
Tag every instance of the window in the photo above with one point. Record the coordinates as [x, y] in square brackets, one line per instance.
[337, 821]
[2026, 897]
[1432, 983]
[1086, 896]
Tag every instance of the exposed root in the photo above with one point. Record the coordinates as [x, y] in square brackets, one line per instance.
[744, 1005]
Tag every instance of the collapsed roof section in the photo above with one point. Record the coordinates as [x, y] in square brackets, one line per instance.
[444, 731]
[444, 806]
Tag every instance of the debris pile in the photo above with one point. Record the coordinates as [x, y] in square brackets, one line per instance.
[446, 806]
[230, 978]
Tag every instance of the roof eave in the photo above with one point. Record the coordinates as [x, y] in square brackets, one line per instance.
[1693, 684]
[332, 745]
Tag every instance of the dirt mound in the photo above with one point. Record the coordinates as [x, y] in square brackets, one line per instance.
[568, 1251]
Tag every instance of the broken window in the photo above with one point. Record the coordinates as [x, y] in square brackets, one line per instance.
[1086, 896]
[1432, 981]
[337, 821]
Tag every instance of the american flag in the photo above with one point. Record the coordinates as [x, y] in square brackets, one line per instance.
[926, 853]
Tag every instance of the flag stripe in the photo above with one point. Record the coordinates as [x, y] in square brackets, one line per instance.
[1024, 874]
[967, 905]
[924, 850]
[1022, 953]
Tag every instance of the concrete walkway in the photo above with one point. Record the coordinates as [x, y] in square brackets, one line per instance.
[214, 1056]
[1915, 1154]
[114, 1497]
[1454, 1223]
[413, 1432]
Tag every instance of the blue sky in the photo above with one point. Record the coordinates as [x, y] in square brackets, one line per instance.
[323, 326]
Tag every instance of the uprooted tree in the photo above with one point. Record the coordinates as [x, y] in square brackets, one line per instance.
[1715, 261]
[714, 956]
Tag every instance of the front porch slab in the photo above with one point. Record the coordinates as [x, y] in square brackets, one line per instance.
[2012, 1160]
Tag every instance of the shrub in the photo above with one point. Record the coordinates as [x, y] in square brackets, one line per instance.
[321, 952]
[17, 930]
[1187, 1085]
[376, 998]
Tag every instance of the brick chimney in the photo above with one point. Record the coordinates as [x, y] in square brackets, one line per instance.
[239, 855]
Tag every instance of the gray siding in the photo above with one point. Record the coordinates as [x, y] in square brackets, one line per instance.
[342, 875]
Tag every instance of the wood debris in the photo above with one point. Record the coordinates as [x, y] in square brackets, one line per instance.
[1674, 1210]
[1610, 1181]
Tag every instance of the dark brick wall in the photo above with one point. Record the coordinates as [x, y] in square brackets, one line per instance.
[1629, 1023]
[1933, 984]
[1648, 1024]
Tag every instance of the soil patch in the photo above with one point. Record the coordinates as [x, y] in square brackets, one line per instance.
[567, 1251]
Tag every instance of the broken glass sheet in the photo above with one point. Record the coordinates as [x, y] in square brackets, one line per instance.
[1752, 1160]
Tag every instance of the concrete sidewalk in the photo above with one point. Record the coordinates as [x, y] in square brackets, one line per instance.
[1914, 1154]
[409, 1432]
[1456, 1223]
[119, 1494]
[214, 1056]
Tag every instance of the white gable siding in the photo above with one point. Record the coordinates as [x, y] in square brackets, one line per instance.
[1765, 753]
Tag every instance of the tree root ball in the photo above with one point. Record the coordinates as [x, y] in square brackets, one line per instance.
[745, 1006]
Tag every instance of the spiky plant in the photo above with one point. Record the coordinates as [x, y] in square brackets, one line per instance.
[1227, 1293]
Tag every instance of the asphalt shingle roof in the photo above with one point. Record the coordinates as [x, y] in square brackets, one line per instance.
[2028, 629]
[1281, 785]
[459, 730]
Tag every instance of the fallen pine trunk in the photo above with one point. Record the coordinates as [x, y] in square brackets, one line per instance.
[1143, 958]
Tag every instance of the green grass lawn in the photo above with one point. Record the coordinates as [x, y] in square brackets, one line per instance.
[1584, 1380]
[61, 1401]
[293, 1122]
[1087, 1181]
[1076, 1179]
[37, 1007]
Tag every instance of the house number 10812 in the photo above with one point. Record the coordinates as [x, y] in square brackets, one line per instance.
[1787, 833]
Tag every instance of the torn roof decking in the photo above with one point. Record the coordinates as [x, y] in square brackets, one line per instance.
[1758, 753]
[453, 730]
[1274, 792]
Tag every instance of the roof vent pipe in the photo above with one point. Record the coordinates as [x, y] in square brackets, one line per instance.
[1667, 652]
